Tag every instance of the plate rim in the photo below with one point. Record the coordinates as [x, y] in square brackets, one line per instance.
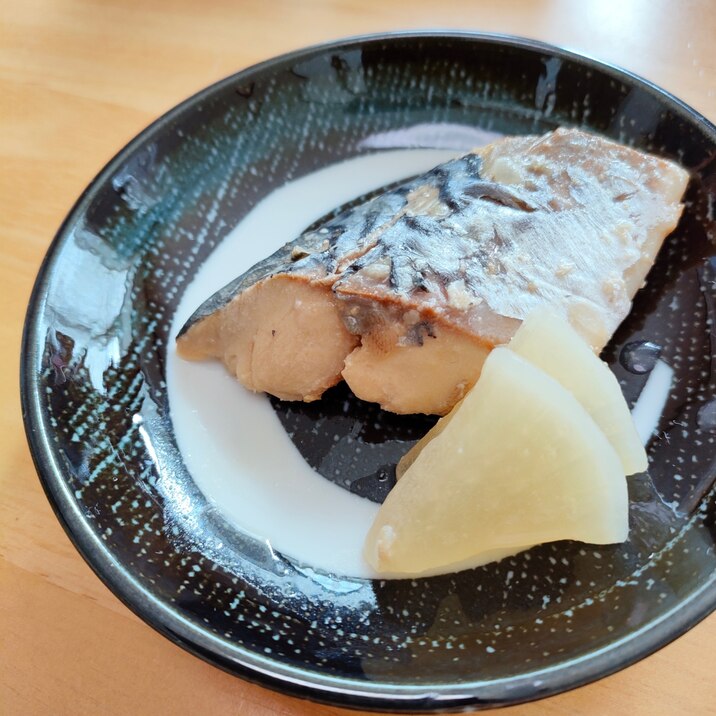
[238, 660]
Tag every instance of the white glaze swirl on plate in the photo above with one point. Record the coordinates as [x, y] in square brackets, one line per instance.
[231, 440]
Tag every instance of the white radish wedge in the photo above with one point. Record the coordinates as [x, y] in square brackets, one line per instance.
[409, 458]
[550, 343]
[519, 463]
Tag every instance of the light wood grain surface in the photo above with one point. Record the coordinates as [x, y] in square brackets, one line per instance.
[79, 78]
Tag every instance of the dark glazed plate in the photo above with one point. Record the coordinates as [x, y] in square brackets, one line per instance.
[97, 419]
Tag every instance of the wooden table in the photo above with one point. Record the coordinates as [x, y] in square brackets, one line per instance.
[78, 78]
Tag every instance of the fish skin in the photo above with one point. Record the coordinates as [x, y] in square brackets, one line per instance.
[347, 234]
[462, 253]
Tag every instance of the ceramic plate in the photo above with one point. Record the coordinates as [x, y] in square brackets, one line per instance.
[113, 444]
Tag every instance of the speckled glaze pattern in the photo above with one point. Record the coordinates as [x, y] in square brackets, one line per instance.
[98, 424]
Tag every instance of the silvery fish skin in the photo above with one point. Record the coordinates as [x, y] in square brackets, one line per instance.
[405, 295]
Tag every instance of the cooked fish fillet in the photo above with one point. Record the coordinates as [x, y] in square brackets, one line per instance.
[405, 295]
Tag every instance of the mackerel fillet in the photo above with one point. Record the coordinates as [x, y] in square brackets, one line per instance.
[406, 294]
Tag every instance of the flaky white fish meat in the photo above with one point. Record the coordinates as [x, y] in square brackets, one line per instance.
[405, 295]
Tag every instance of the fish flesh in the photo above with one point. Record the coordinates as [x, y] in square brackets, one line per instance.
[405, 295]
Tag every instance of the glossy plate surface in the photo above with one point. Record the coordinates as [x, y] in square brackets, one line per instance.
[97, 418]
